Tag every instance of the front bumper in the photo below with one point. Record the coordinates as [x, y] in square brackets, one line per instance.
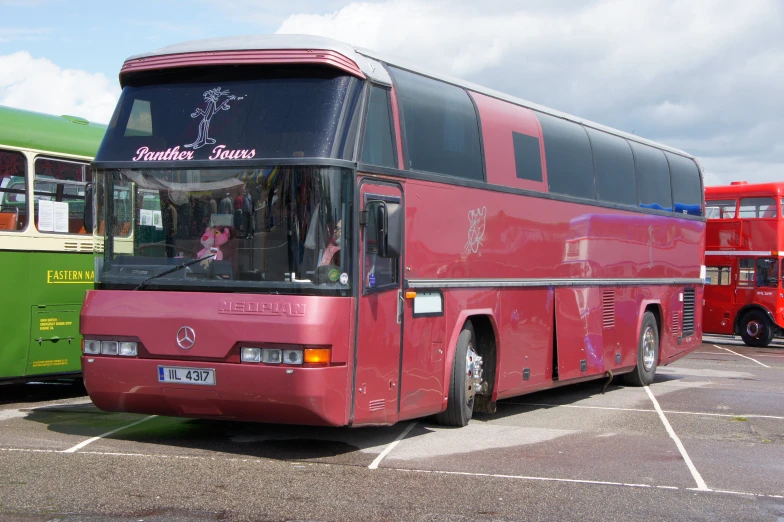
[243, 392]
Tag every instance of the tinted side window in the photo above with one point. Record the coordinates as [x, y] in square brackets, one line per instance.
[614, 163]
[377, 148]
[441, 127]
[686, 186]
[568, 156]
[653, 177]
[528, 159]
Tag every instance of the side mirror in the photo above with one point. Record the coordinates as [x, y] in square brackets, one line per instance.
[385, 224]
[88, 209]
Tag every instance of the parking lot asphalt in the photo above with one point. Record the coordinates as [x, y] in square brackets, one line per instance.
[704, 442]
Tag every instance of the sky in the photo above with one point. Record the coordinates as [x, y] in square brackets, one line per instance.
[704, 76]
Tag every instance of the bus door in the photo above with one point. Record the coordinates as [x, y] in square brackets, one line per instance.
[377, 370]
[744, 282]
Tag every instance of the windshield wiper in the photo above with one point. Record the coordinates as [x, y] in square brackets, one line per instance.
[172, 269]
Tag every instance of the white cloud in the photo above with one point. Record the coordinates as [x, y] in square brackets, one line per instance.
[703, 75]
[40, 85]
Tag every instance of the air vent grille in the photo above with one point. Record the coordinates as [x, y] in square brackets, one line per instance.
[676, 323]
[608, 309]
[688, 312]
[377, 405]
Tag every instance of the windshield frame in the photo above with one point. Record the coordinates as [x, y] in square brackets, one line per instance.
[300, 284]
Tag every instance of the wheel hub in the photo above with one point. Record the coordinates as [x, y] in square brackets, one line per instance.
[473, 374]
[648, 348]
[754, 328]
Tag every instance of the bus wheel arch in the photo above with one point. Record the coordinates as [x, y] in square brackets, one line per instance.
[648, 347]
[470, 370]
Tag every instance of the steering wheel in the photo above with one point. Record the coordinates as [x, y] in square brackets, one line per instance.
[163, 246]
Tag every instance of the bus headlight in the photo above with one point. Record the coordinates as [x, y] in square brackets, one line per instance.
[251, 355]
[91, 347]
[109, 347]
[271, 355]
[128, 349]
[292, 356]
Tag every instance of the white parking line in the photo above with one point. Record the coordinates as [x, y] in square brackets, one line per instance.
[694, 473]
[741, 355]
[405, 470]
[643, 410]
[755, 355]
[377, 461]
[579, 481]
[99, 437]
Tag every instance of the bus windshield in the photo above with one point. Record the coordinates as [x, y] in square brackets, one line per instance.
[281, 229]
[265, 113]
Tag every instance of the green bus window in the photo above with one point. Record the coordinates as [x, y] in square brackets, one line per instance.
[13, 207]
[58, 195]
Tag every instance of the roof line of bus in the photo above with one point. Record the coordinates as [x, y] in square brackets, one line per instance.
[48, 133]
[373, 71]
[746, 189]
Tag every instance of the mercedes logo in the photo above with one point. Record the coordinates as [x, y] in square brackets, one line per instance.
[186, 337]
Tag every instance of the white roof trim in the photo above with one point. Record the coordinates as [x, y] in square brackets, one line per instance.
[369, 67]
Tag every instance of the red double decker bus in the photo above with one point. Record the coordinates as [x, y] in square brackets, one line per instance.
[344, 240]
[744, 246]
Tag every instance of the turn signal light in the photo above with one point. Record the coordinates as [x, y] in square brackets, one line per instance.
[316, 356]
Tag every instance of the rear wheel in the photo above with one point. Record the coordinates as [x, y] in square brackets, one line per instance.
[464, 382]
[756, 329]
[647, 353]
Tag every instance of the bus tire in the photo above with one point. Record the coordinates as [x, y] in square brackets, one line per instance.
[755, 329]
[460, 403]
[647, 353]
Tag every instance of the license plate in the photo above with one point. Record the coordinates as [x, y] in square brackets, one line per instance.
[177, 374]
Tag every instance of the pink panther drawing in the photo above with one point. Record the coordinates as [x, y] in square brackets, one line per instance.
[211, 97]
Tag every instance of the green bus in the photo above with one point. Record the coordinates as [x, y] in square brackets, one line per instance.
[46, 241]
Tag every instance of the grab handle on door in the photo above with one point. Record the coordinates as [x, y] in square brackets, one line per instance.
[400, 303]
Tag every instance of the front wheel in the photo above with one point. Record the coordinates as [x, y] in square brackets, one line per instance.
[647, 353]
[756, 329]
[465, 381]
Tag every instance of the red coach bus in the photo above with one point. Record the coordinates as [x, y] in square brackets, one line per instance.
[349, 241]
[744, 246]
